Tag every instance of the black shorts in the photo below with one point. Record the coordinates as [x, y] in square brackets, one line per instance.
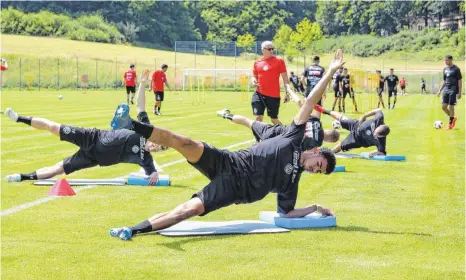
[85, 139]
[380, 91]
[350, 141]
[449, 97]
[391, 91]
[131, 89]
[263, 131]
[297, 88]
[402, 87]
[143, 117]
[224, 188]
[158, 95]
[308, 91]
[346, 92]
[260, 102]
[337, 92]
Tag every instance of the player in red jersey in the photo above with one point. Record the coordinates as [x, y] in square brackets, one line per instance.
[130, 82]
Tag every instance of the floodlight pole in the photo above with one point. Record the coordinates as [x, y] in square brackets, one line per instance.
[215, 66]
[175, 66]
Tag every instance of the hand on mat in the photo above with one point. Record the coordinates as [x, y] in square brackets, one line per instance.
[324, 211]
[376, 153]
[153, 178]
[337, 61]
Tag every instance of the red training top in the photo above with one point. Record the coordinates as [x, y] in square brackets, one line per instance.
[3, 67]
[129, 77]
[402, 82]
[267, 73]
[158, 80]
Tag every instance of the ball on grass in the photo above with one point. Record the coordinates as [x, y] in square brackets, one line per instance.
[438, 124]
[336, 124]
[60, 97]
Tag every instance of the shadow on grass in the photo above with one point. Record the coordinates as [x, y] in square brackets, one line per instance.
[177, 186]
[363, 229]
[180, 241]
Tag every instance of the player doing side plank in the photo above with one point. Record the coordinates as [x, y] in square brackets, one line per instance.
[240, 177]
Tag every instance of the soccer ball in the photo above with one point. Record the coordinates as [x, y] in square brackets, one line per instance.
[336, 124]
[60, 96]
[438, 124]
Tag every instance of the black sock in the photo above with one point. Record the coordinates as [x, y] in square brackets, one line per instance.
[228, 116]
[142, 128]
[142, 228]
[327, 112]
[160, 107]
[30, 176]
[26, 120]
[451, 119]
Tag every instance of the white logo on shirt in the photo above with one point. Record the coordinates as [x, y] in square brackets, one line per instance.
[67, 130]
[288, 168]
[135, 149]
[447, 72]
[266, 68]
[368, 132]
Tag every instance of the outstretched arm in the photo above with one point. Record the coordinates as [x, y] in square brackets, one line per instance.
[302, 212]
[369, 114]
[303, 115]
[141, 98]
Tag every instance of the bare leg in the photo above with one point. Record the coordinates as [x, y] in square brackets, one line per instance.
[259, 118]
[51, 171]
[334, 103]
[44, 124]
[445, 109]
[191, 149]
[238, 119]
[452, 110]
[141, 99]
[276, 121]
[189, 209]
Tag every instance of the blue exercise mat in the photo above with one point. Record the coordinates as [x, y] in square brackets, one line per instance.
[310, 221]
[339, 168]
[164, 180]
[366, 156]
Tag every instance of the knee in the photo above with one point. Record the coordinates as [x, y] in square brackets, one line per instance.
[189, 210]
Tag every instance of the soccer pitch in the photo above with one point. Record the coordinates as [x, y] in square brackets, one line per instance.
[396, 220]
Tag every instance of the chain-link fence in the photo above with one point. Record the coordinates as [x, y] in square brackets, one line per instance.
[223, 65]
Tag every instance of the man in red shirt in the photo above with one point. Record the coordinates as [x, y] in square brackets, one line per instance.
[266, 74]
[130, 82]
[158, 80]
[4, 65]
[403, 86]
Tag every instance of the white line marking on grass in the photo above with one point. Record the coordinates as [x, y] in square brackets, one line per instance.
[37, 202]
[24, 206]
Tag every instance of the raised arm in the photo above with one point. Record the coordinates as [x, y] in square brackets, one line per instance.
[369, 114]
[316, 94]
[141, 98]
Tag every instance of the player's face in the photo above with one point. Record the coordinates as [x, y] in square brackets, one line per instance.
[345, 72]
[268, 51]
[448, 62]
[315, 163]
[165, 69]
[391, 72]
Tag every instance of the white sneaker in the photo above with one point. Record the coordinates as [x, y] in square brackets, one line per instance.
[14, 178]
[223, 112]
[11, 114]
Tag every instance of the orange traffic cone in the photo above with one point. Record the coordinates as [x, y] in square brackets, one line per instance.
[61, 188]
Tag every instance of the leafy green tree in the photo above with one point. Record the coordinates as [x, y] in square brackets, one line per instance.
[246, 41]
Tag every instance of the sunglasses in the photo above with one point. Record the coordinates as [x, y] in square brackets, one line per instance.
[269, 49]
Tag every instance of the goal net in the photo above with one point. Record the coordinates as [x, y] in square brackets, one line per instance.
[216, 79]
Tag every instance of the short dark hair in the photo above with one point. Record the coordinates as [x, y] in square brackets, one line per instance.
[449, 57]
[330, 157]
[131, 66]
[391, 69]
[334, 134]
[315, 58]
[291, 72]
[345, 69]
[378, 71]
[164, 66]
[384, 130]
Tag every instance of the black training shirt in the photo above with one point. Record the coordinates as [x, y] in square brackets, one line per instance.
[365, 133]
[313, 75]
[451, 76]
[123, 146]
[336, 79]
[294, 80]
[345, 80]
[273, 166]
[391, 81]
[381, 82]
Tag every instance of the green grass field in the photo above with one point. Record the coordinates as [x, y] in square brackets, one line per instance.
[396, 220]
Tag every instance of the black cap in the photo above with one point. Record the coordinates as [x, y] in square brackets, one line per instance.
[131, 66]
